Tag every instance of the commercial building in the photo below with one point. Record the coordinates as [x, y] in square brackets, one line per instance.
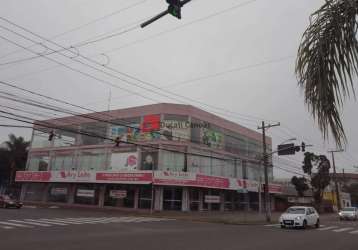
[161, 157]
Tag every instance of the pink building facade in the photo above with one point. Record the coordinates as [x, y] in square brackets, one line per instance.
[161, 157]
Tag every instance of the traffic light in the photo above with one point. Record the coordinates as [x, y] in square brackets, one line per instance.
[174, 8]
[51, 135]
[303, 147]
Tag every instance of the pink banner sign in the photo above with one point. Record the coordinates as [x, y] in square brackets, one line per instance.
[129, 177]
[22, 176]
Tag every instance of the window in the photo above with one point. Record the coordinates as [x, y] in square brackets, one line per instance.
[62, 161]
[35, 191]
[40, 139]
[65, 138]
[38, 162]
[145, 197]
[92, 160]
[172, 161]
[58, 193]
[124, 161]
[119, 196]
[87, 194]
[194, 199]
[172, 198]
[149, 160]
[98, 130]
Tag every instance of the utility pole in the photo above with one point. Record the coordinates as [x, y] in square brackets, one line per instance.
[335, 177]
[267, 204]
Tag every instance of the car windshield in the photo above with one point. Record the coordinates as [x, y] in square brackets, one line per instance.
[348, 209]
[295, 210]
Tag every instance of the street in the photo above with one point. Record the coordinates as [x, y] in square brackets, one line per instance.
[44, 228]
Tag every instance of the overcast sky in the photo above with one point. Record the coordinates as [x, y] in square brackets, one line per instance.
[255, 40]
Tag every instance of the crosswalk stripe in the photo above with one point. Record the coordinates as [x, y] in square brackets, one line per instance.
[327, 228]
[64, 221]
[47, 222]
[31, 223]
[354, 232]
[343, 229]
[6, 227]
[14, 224]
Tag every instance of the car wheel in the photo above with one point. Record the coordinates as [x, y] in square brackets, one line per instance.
[317, 224]
[304, 225]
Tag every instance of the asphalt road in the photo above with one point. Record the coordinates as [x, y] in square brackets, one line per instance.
[69, 229]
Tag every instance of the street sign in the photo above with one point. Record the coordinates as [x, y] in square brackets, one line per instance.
[118, 194]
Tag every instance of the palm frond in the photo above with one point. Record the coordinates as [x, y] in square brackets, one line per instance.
[327, 63]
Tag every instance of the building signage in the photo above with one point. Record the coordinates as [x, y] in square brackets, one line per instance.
[38, 176]
[124, 161]
[72, 176]
[212, 199]
[175, 130]
[190, 179]
[118, 194]
[85, 193]
[58, 191]
[140, 177]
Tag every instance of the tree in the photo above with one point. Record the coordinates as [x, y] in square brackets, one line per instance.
[300, 184]
[16, 150]
[327, 63]
[319, 178]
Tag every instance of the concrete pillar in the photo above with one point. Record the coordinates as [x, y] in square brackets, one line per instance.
[185, 202]
[201, 200]
[158, 198]
[23, 191]
[136, 198]
[45, 192]
[102, 192]
[71, 194]
[222, 200]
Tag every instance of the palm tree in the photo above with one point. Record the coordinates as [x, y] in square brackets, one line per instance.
[17, 149]
[327, 63]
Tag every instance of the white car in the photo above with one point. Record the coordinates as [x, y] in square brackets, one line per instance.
[349, 213]
[299, 217]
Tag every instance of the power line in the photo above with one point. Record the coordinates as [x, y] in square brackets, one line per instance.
[83, 25]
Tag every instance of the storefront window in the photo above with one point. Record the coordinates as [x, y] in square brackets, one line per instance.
[87, 194]
[194, 199]
[92, 160]
[35, 191]
[119, 196]
[127, 161]
[58, 193]
[172, 161]
[172, 198]
[38, 162]
[254, 171]
[145, 197]
[228, 199]
[62, 161]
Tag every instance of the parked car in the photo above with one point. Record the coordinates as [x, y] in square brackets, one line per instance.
[6, 202]
[299, 217]
[348, 213]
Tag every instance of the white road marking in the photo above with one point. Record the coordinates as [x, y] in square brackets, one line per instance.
[343, 229]
[47, 222]
[6, 227]
[272, 225]
[14, 224]
[327, 228]
[31, 223]
[354, 232]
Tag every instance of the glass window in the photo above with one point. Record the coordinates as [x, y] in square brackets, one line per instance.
[65, 138]
[87, 194]
[254, 171]
[98, 130]
[40, 139]
[172, 161]
[38, 162]
[195, 131]
[62, 161]
[92, 160]
[149, 160]
[194, 199]
[127, 161]
[35, 191]
[58, 193]
[172, 198]
[119, 196]
[145, 197]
